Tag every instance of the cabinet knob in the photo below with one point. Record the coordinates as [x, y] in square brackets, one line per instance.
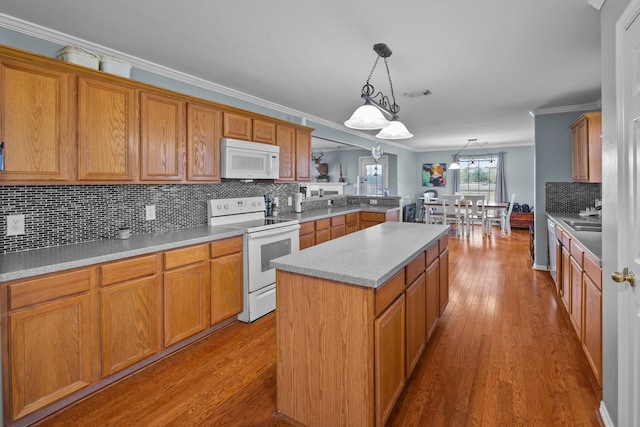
[626, 276]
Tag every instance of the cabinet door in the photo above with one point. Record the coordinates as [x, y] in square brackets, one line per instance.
[204, 129]
[131, 322]
[49, 353]
[352, 223]
[432, 301]
[303, 155]
[566, 278]
[264, 131]
[580, 151]
[186, 302]
[559, 274]
[162, 140]
[323, 236]
[286, 140]
[389, 358]
[416, 322]
[576, 297]
[34, 122]
[236, 126]
[443, 291]
[592, 342]
[307, 240]
[107, 131]
[226, 287]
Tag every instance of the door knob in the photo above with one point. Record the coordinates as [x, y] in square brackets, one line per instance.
[626, 276]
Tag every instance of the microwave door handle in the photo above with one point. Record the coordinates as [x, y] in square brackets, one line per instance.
[270, 164]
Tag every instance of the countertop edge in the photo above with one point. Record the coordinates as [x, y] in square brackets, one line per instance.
[591, 240]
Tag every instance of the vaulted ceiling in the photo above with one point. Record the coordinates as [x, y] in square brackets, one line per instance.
[487, 63]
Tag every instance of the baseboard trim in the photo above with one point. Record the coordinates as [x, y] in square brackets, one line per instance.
[603, 416]
[540, 267]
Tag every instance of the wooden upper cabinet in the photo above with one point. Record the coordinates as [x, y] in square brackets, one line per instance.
[286, 140]
[204, 129]
[34, 121]
[264, 131]
[162, 139]
[107, 131]
[303, 155]
[237, 126]
[587, 148]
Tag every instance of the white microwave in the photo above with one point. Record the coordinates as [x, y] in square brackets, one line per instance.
[249, 160]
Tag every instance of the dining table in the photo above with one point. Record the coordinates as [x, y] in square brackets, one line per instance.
[497, 207]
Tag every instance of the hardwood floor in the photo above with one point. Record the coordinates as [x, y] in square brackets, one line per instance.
[503, 354]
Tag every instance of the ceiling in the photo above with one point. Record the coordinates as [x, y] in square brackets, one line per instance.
[487, 63]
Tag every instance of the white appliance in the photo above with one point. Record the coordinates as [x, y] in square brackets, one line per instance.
[265, 238]
[249, 160]
[553, 269]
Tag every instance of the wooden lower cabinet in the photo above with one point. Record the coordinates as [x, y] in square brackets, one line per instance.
[433, 303]
[575, 305]
[592, 335]
[352, 224]
[369, 219]
[226, 279]
[307, 234]
[566, 278]
[323, 230]
[186, 293]
[337, 226]
[389, 358]
[416, 322]
[443, 288]
[50, 340]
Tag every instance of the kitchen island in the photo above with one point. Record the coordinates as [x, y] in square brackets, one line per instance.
[353, 317]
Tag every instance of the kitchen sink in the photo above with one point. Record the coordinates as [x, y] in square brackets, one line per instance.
[584, 225]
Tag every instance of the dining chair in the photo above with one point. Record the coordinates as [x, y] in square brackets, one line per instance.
[498, 217]
[475, 210]
[506, 218]
[450, 213]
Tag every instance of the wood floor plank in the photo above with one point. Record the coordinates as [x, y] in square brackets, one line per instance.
[503, 353]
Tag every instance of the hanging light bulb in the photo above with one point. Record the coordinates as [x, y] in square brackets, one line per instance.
[473, 165]
[492, 164]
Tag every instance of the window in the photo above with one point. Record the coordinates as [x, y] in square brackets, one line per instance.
[480, 179]
[376, 174]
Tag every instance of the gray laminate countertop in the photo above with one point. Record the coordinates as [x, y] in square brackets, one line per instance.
[368, 258]
[24, 264]
[328, 212]
[591, 240]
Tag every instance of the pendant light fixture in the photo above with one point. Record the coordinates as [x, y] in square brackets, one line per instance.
[370, 115]
[473, 165]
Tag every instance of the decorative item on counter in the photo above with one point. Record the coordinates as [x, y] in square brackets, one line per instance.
[297, 202]
[124, 233]
[341, 179]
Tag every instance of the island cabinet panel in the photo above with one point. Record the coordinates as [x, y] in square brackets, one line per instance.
[237, 126]
[416, 322]
[226, 279]
[204, 129]
[50, 341]
[131, 320]
[389, 358]
[432, 301]
[107, 131]
[162, 141]
[186, 293]
[35, 121]
[443, 288]
[326, 336]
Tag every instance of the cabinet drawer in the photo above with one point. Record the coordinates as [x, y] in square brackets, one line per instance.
[48, 288]
[415, 267]
[443, 243]
[372, 216]
[432, 253]
[566, 239]
[577, 251]
[322, 224]
[389, 291]
[337, 220]
[352, 218]
[185, 256]
[129, 269]
[307, 227]
[593, 270]
[226, 246]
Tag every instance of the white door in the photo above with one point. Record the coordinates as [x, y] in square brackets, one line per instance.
[628, 89]
[376, 173]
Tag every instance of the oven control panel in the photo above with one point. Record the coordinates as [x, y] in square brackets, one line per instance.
[219, 207]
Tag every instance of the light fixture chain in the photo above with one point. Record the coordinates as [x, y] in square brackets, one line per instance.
[394, 108]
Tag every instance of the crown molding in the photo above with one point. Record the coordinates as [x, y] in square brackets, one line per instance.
[62, 39]
[567, 109]
[596, 3]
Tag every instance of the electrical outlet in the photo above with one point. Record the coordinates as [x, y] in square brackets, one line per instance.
[289, 201]
[373, 202]
[329, 202]
[15, 225]
[151, 212]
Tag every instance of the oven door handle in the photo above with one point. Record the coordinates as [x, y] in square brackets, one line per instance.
[267, 233]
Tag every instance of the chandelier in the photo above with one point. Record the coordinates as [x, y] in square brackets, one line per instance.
[473, 165]
[369, 116]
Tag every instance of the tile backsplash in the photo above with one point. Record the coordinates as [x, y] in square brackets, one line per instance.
[64, 214]
[571, 197]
